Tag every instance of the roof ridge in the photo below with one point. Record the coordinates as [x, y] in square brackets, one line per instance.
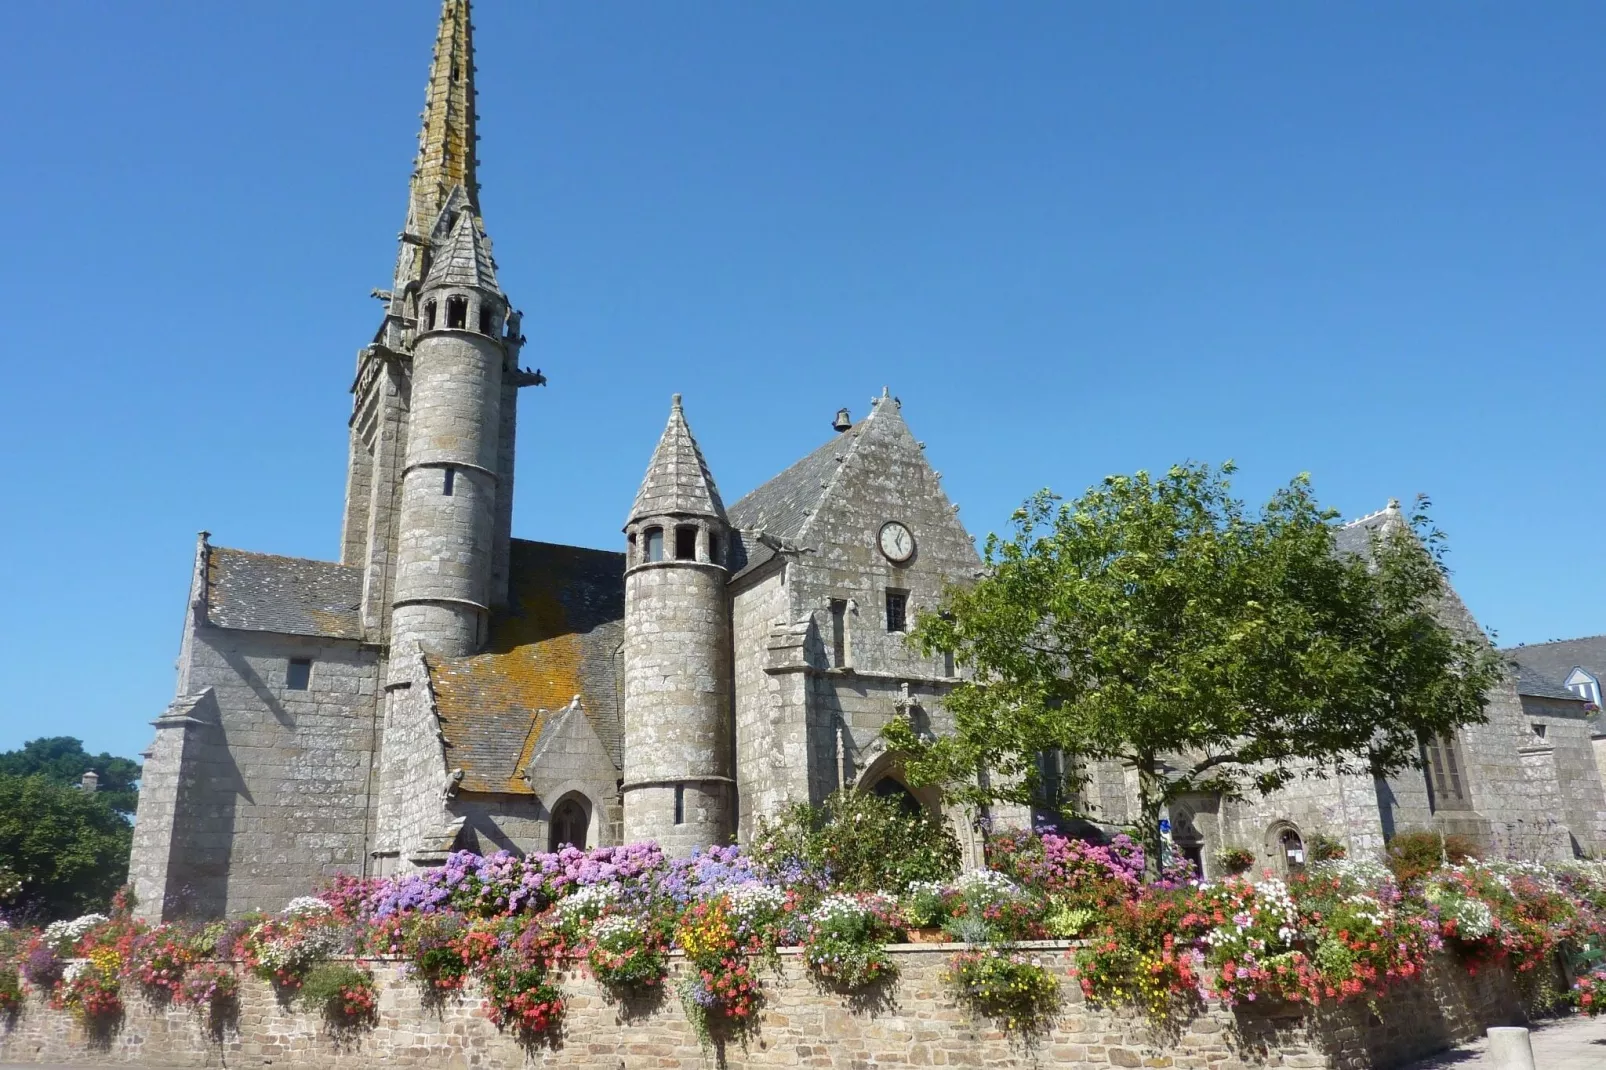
[1556, 642]
[857, 432]
[1392, 507]
[281, 557]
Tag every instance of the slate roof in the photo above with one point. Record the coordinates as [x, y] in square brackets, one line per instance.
[1553, 662]
[287, 595]
[465, 258]
[1355, 537]
[783, 505]
[677, 479]
[560, 637]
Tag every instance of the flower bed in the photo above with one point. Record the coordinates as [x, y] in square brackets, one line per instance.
[1344, 931]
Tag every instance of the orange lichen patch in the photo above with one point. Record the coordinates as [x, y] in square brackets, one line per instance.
[558, 639]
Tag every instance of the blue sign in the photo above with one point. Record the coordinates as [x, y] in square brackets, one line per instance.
[1165, 826]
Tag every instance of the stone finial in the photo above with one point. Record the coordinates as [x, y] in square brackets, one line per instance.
[678, 482]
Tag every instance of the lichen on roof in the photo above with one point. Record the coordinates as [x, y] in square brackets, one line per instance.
[559, 638]
[287, 595]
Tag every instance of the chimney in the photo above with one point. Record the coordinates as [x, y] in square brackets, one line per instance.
[843, 420]
[90, 782]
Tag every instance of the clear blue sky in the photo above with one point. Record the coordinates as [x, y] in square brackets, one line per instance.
[1361, 240]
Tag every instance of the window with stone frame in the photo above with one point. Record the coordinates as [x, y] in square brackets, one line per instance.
[897, 610]
[686, 542]
[456, 313]
[654, 539]
[298, 674]
[1447, 785]
[569, 825]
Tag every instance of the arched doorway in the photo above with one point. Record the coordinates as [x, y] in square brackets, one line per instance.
[890, 787]
[569, 824]
[1287, 848]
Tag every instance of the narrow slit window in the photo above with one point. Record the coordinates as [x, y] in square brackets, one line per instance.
[449, 482]
[680, 804]
[897, 611]
[686, 543]
[487, 322]
[948, 663]
[456, 313]
[655, 544]
[429, 316]
[713, 547]
[298, 674]
[839, 632]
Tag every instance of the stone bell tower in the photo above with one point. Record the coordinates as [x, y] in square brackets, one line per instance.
[450, 494]
[679, 787]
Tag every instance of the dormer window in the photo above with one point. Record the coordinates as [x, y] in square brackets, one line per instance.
[1584, 684]
[456, 313]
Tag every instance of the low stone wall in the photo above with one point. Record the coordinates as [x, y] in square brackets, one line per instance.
[913, 1022]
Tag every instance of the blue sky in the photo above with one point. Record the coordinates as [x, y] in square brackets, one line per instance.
[1361, 240]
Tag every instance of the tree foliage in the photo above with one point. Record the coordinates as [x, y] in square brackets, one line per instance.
[69, 847]
[1158, 623]
[62, 760]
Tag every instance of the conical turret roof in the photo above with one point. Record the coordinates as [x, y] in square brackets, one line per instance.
[464, 259]
[677, 481]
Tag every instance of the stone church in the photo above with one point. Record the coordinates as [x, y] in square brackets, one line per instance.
[446, 686]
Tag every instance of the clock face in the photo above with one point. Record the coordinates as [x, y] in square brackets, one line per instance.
[896, 542]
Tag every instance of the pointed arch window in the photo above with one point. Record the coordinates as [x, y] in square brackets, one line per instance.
[1447, 785]
[569, 824]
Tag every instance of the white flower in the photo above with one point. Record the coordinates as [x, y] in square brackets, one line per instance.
[588, 903]
[307, 906]
[748, 901]
[63, 936]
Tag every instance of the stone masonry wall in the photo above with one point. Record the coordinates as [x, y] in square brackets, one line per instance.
[275, 782]
[912, 1022]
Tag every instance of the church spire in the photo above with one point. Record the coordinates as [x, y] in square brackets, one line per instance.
[447, 146]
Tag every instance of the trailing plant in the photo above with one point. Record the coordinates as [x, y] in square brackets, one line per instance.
[520, 999]
[10, 990]
[720, 985]
[1235, 860]
[1412, 855]
[847, 938]
[90, 987]
[433, 947]
[157, 960]
[1011, 987]
[210, 988]
[1324, 848]
[626, 954]
[283, 950]
[342, 993]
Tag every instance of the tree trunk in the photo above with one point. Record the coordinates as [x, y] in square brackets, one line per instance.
[1151, 799]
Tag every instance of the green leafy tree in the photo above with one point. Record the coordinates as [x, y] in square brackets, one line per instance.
[62, 760]
[69, 847]
[1157, 623]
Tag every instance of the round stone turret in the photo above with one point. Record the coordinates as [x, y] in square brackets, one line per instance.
[450, 479]
[678, 779]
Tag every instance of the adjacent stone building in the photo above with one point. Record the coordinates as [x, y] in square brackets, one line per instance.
[446, 686]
